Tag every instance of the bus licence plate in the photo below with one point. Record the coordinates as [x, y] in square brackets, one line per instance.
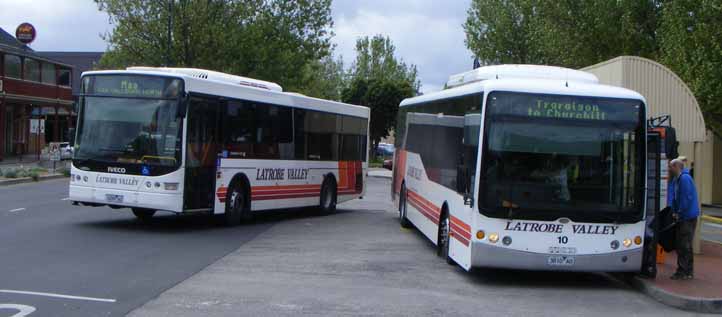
[111, 198]
[560, 260]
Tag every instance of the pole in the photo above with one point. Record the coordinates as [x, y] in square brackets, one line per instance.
[170, 23]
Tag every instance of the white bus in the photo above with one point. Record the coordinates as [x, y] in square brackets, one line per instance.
[525, 167]
[190, 140]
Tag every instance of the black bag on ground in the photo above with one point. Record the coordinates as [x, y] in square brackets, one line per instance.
[667, 230]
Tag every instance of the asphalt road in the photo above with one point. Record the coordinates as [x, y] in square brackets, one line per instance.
[61, 260]
[49, 246]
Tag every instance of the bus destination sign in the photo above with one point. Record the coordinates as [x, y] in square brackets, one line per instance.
[569, 110]
[134, 86]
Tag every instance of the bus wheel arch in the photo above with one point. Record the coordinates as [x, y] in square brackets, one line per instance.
[444, 234]
[237, 211]
[328, 196]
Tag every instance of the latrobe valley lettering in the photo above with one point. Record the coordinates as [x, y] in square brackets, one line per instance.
[277, 174]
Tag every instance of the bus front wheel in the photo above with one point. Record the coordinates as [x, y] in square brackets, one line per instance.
[445, 238]
[403, 220]
[143, 214]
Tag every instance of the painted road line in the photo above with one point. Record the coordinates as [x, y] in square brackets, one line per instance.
[23, 310]
[16, 209]
[66, 198]
[10, 291]
[708, 218]
[714, 225]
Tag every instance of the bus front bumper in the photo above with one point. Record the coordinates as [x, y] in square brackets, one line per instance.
[99, 196]
[484, 255]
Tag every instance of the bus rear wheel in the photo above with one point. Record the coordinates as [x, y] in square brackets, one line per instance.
[143, 214]
[236, 211]
[403, 220]
[327, 203]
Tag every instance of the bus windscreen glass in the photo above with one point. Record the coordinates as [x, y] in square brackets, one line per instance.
[550, 156]
[129, 120]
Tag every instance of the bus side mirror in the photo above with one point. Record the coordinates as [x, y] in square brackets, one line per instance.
[468, 200]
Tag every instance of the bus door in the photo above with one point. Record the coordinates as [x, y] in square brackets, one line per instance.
[654, 190]
[202, 144]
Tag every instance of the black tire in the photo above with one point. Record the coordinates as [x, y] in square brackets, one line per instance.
[444, 238]
[403, 220]
[143, 214]
[327, 202]
[237, 210]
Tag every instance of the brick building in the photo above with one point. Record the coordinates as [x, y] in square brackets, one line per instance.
[36, 99]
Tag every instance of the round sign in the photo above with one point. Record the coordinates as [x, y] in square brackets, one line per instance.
[25, 33]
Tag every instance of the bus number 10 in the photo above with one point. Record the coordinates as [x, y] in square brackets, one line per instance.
[563, 239]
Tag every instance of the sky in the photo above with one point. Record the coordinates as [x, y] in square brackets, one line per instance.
[426, 33]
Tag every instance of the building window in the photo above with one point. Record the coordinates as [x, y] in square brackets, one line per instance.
[12, 66]
[48, 75]
[64, 77]
[32, 70]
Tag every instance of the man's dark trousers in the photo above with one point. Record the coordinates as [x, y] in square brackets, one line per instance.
[685, 236]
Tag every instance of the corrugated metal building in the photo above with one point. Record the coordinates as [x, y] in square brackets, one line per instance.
[666, 93]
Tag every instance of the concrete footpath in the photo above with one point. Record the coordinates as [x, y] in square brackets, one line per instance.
[702, 294]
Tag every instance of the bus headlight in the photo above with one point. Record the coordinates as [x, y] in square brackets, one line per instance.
[77, 177]
[493, 237]
[170, 186]
[85, 179]
[627, 242]
[148, 184]
[506, 240]
[614, 245]
[637, 240]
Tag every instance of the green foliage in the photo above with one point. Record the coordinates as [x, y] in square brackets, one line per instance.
[376, 60]
[325, 78]
[691, 41]
[267, 39]
[11, 173]
[380, 81]
[571, 33]
[34, 175]
[65, 171]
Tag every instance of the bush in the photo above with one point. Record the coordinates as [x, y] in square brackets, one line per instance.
[34, 175]
[65, 172]
[11, 174]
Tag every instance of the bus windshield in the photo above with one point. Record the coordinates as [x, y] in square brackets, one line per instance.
[141, 126]
[550, 156]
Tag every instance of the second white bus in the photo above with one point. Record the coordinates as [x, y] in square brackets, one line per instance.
[525, 167]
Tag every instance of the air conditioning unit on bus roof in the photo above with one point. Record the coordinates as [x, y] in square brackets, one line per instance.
[520, 72]
[215, 76]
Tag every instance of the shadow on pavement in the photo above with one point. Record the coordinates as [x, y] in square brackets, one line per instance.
[167, 223]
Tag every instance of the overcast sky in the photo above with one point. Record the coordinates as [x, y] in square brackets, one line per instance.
[426, 33]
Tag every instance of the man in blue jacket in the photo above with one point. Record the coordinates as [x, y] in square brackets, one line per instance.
[685, 206]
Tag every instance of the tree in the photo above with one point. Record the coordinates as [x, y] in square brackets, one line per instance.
[571, 33]
[380, 81]
[273, 40]
[325, 78]
[691, 33]
[376, 60]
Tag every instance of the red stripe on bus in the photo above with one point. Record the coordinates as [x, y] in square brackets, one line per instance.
[461, 224]
[459, 238]
[455, 228]
[424, 210]
[283, 196]
[425, 202]
[286, 187]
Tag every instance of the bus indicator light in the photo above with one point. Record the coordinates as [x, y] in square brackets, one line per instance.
[637, 240]
[480, 234]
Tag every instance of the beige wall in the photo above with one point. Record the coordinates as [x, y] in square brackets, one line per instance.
[717, 171]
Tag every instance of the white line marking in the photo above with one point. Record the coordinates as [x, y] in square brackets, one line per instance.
[106, 300]
[17, 209]
[66, 198]
[23, 310]
[713, 225]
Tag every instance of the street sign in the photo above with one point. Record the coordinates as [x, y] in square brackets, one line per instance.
[55, 151]
[25, 33]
